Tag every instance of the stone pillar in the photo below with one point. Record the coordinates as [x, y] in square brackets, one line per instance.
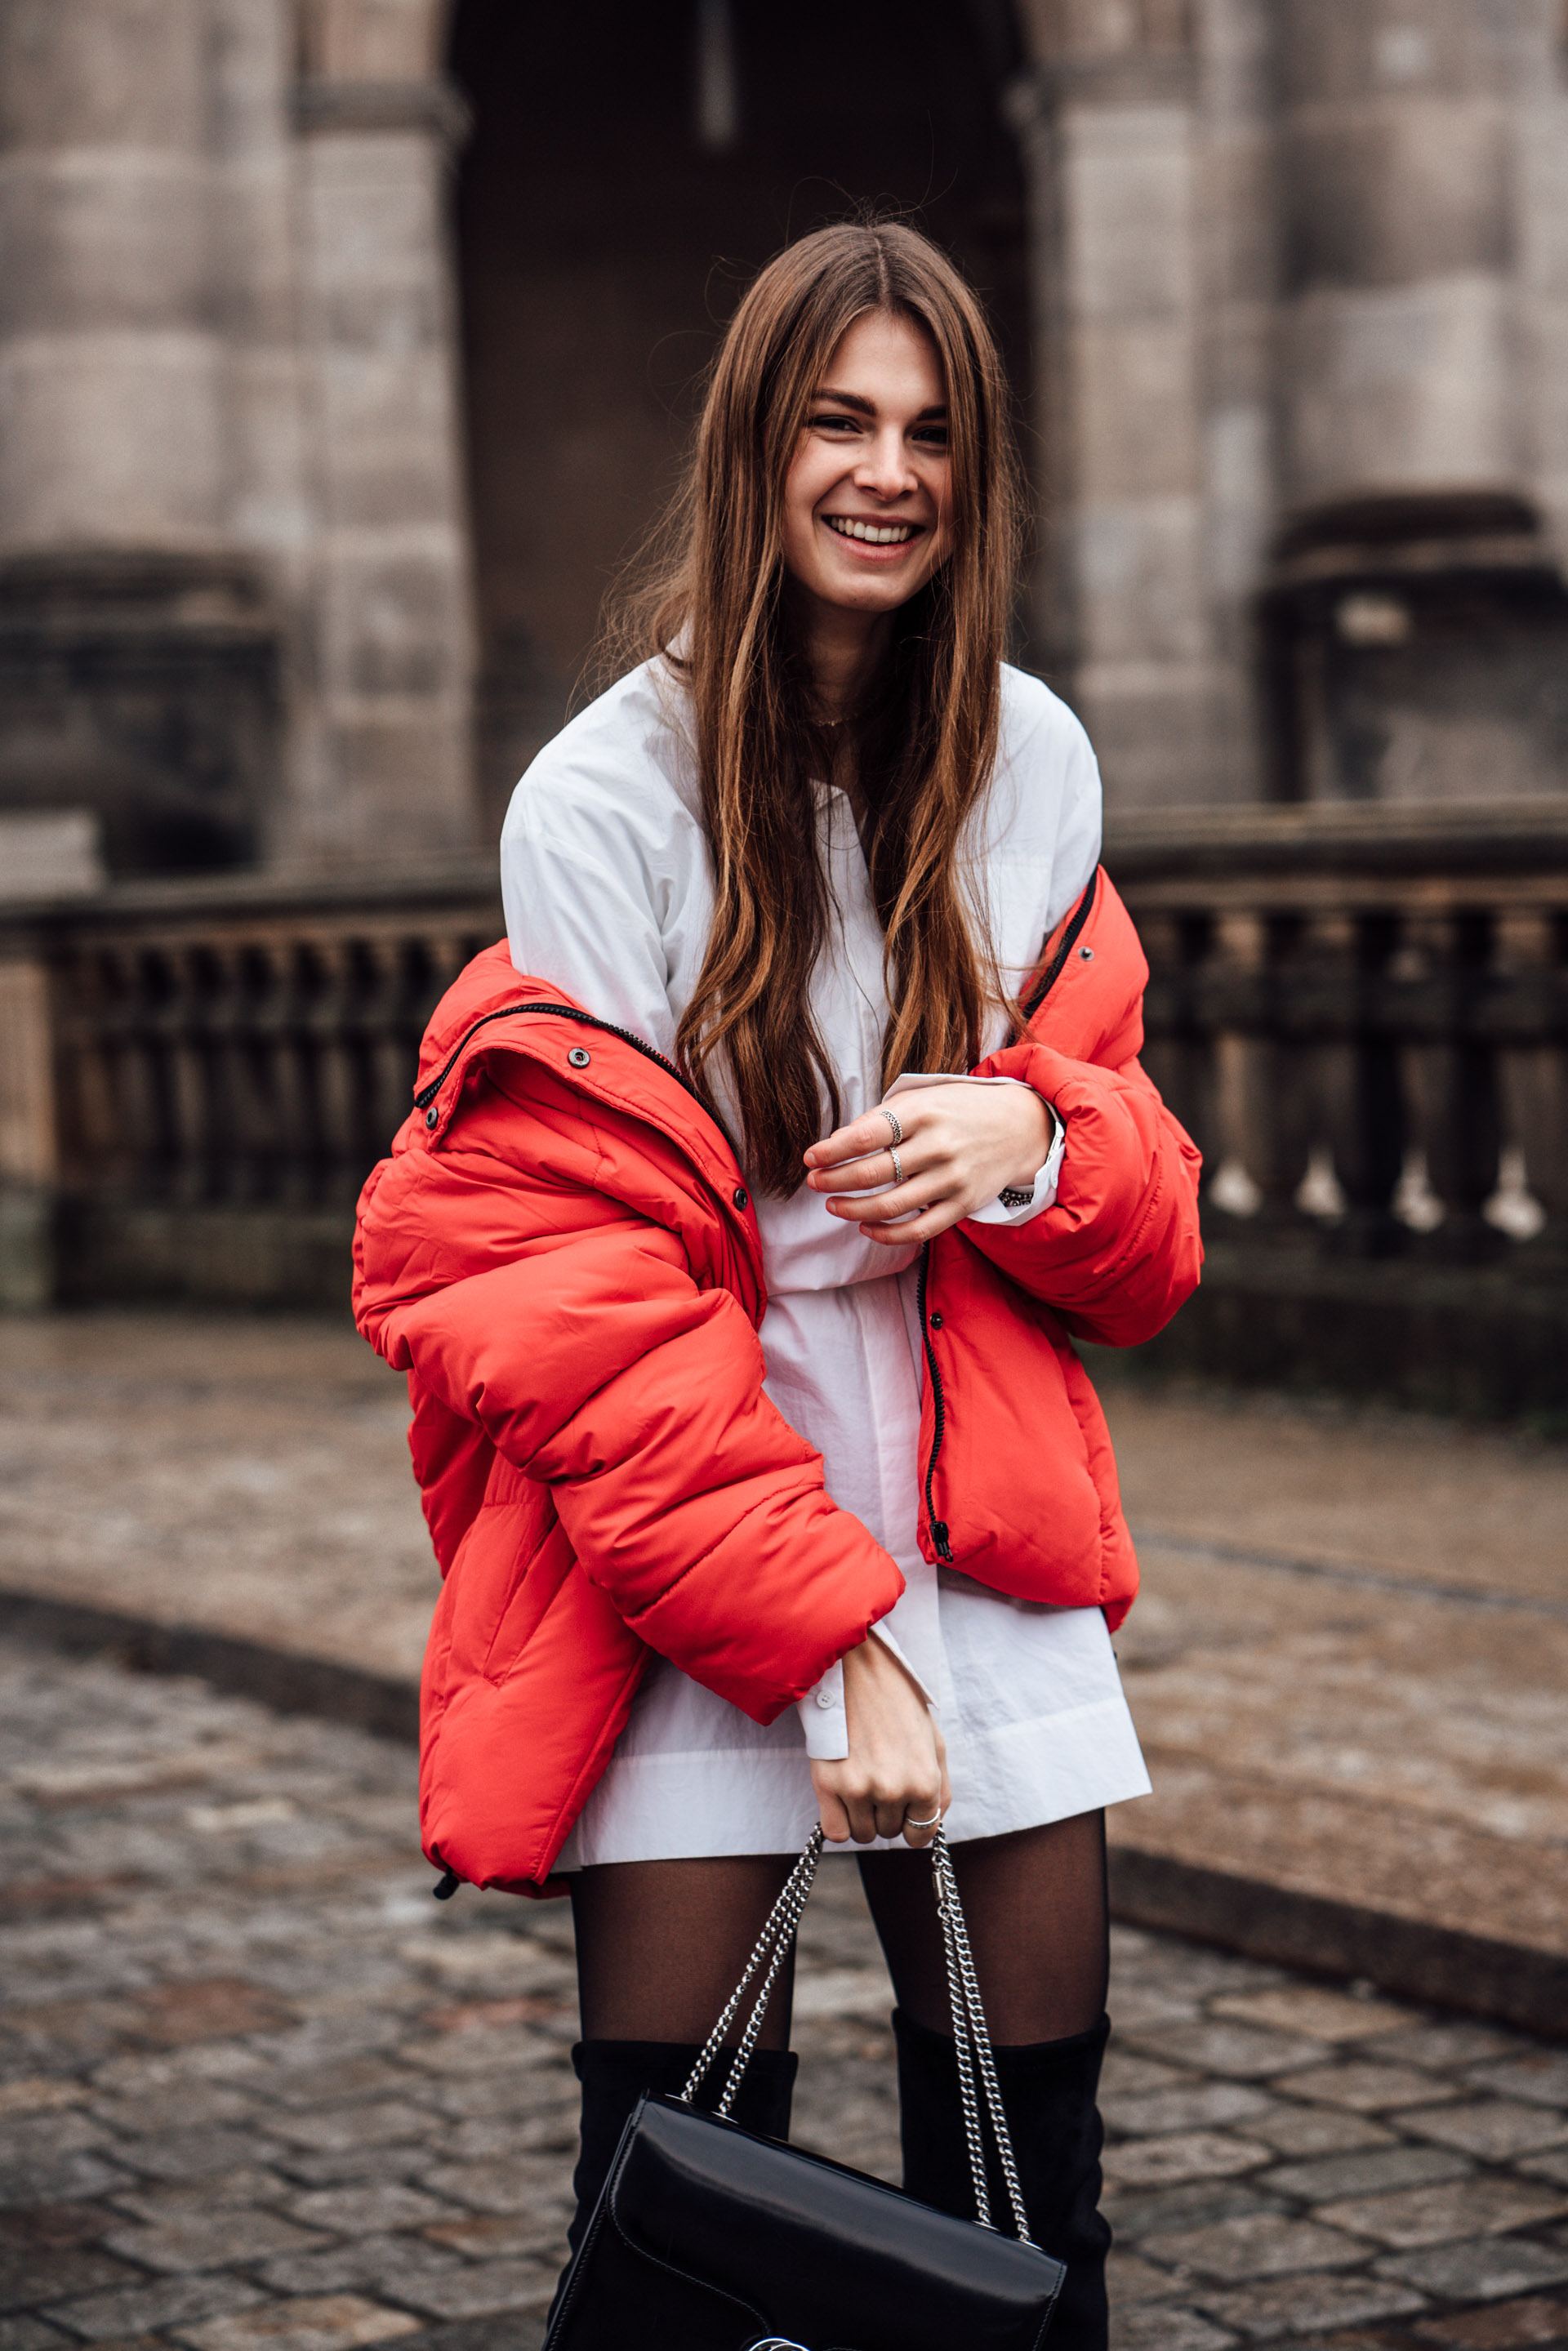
[1111, 123]
[1539, 112]
[393, 627]
[1418, 610]
[1398, 243]
[1239, 273]
[138, 669]
[110, 366]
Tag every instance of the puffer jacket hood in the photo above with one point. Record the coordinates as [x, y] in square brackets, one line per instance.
[562, 1255]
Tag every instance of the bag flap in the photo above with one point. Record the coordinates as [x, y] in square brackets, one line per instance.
[818, 2253]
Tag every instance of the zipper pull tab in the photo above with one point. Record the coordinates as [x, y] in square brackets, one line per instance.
[939, 1537]
[448, 1886]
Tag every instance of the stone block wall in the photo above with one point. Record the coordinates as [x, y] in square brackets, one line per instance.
[1302, 302]
[233, 598]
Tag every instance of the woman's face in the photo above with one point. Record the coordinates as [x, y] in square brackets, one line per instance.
[868, 497]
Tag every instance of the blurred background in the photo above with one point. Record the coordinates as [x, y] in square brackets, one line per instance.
[346, 348]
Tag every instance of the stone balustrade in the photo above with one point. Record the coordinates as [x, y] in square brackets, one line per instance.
[196, 1076]
[1360, 1012]
[1362, 1015]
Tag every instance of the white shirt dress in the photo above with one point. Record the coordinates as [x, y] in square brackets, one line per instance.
[608, 891]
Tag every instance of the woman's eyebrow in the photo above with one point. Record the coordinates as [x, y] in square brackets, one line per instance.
[864, 407]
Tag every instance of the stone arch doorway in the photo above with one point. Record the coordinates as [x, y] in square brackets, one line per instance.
[628, 168]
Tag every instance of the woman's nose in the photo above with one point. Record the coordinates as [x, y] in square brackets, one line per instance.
[885, 467]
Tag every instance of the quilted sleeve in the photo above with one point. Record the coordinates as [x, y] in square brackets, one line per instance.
[1118, 1249]
[601, 1368]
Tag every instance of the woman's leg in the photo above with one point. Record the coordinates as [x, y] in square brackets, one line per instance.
[1036, 1909]
[661, 1945]
[1038, 1927]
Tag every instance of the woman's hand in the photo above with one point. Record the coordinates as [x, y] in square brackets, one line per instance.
[962, 1145]
[897, 1768]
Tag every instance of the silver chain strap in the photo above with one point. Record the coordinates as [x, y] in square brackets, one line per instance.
[776, 1936]
[971, 2038]
[970, 2032]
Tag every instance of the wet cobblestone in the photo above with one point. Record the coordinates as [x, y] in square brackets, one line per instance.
[257, 2092]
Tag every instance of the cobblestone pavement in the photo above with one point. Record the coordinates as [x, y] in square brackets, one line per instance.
[1348, 1665]
[257, 2092]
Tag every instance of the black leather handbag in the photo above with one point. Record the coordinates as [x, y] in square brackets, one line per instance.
[708, 2237]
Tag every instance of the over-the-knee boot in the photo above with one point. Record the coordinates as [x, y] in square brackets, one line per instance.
[615, 2074]
[1048, 2097]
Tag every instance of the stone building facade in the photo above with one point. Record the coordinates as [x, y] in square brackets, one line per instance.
[346, 346]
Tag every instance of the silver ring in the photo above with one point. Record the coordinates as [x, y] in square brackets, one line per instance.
[897, 1162]
[892, 1118]
[923, 1824]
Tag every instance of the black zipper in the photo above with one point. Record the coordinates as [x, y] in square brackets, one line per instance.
[939, 1414]
[939, 1534]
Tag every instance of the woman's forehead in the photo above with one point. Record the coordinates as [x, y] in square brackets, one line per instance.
[888, 360]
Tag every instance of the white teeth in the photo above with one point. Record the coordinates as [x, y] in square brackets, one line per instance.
[892, 533]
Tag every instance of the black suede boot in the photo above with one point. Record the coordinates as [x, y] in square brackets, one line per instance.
[1048, 2097]
[615, 2074]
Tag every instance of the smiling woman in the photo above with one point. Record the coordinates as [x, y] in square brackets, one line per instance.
[872, 473]
[813, 1064]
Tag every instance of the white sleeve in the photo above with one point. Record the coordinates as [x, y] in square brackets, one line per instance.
[581, 911]
[822, 1711]
[1078, 833]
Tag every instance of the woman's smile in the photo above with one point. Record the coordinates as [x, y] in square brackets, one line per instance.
[873, 537]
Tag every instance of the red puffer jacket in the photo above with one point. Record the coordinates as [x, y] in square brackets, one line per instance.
[561, 1254]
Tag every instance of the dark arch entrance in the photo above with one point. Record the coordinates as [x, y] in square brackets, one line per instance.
[629, 168]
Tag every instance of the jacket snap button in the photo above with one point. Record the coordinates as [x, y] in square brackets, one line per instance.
[578, 1059]
[936, 1322]
[741, 1196]
[1087, 954]
[431, 1116]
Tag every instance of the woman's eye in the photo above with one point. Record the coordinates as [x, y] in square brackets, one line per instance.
[827, 422]
[935, 436]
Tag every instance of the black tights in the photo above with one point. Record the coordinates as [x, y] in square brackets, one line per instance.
[661, 1944]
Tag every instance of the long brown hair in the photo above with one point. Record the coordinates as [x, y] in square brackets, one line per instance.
[713, 607]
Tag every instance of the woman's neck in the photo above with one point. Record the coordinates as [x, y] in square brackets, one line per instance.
[844, 653]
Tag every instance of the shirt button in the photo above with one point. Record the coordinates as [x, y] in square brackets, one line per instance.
[578, 1059]
[826, 1699]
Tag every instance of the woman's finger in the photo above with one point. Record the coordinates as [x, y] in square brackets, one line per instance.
[835, 1819]
[902, 1200]
[870, 1132]
[916, 1230]
[868, 1173]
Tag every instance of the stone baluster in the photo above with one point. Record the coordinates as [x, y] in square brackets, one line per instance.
[1531, 1189]
[338, 1058]
[1350, 1080]
[1447, 1081]
[1242, 1180]
[291, 1073]
[29, 1153]
[195, 1121]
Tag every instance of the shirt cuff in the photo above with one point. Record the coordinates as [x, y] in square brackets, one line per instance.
[822, 1712]
[824, 1719]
